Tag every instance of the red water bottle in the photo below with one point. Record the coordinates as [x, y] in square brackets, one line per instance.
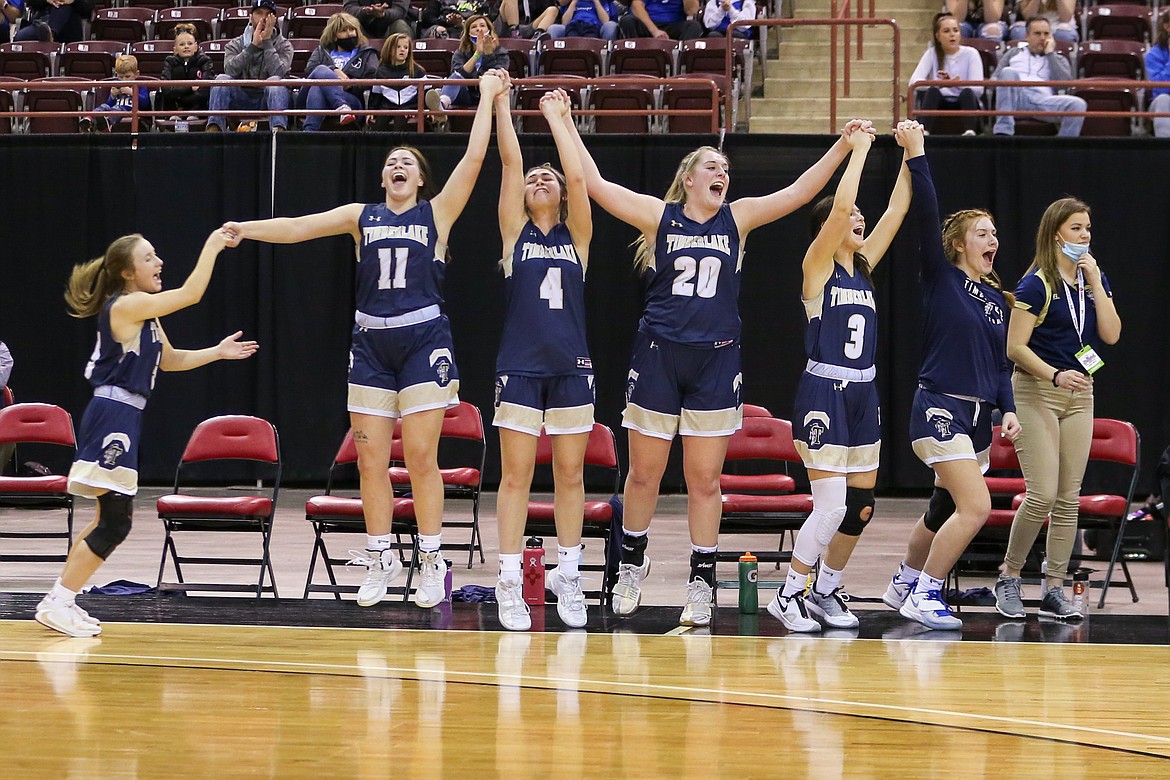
[533, 566]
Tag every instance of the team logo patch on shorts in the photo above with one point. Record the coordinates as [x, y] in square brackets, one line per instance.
[630, 383]
[501, 383]
[817, 424]
[941, 419]
[441, 362]
[114, 446]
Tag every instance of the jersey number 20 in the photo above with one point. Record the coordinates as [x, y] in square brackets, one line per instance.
[392, 268]
[707, 281]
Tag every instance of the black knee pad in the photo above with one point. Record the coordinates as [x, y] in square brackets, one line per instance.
[941, 507]
[113, 524]
[859, 505]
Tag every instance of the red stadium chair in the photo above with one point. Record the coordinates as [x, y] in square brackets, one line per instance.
[1111, 59]
[303, 49]
[1107, 99]
[462, 451]
[333, 513]
[249, 449]
[43, 96]
[215, 50]
[1119, 22]
[521, 56]
[90, 59]
[698, 96]
[204, 18]
[434, 55]
[601, 522]
[36, 424]
[647, 56]
[528, 98]
[622, 97]
[28, 59]
[572, 57]
[122, 24]
[233, 21]
[308, 21]
[7, 125]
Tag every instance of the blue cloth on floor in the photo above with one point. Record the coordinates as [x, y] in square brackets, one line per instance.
[972, 597]
[121, 588]
[472, 593]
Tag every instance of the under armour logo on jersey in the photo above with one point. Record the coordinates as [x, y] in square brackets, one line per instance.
[675, 223]
[941, 419]
[584, 362]
[817, 424]
[376, 219]
[114, 446]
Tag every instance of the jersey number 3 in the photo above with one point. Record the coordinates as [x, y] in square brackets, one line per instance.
[392, 268]
[707, 281]
[856, 342]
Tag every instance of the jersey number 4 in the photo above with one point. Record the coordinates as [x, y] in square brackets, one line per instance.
[706, 282]
[392, 268]
[551, 289]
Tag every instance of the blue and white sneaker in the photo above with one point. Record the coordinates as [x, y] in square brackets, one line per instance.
[931, 611]
[897, 593]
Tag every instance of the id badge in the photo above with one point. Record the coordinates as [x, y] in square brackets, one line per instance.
[1089, 358]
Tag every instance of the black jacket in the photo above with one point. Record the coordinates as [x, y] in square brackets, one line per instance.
[175, 68]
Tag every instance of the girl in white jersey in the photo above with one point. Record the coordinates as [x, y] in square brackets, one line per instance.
[402, 362]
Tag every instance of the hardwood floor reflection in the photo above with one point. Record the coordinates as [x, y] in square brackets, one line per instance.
[217, 701]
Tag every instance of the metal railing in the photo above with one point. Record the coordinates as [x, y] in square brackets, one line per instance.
[718, 113]
[896, 65]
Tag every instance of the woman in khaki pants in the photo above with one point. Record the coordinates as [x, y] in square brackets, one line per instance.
[1063, 314]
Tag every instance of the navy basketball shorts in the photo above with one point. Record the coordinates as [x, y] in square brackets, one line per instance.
[562, 404]
[107, 450]
[394, 372]
[673, 389]
[836, 425]
[943, 427]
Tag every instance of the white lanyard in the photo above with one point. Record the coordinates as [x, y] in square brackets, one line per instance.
[1078, 323]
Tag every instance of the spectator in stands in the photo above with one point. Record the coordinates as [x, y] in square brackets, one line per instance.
[1158, 69]
[1038, 61]
[397, 63]
[260, 53]
[588, 19]
[662, 19]
[948, 60]
[721, 13]
[447, 18]
[121, 99]
[187, 63]
[479, 51]
[527, 18]
[979, 18]
[1055, 349]
[63, 17]
[1059, 13]
[345, 53]
[10, 13]
[381, 20]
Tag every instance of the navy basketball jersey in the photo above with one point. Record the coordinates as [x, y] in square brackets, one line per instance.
[544, 327]
[842, 321]
[400, 264]
[692, 286]
[131, 365]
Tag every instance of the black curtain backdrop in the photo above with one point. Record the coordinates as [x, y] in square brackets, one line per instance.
[67, 198]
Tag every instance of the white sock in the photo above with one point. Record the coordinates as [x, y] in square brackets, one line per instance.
[61, 594]
[906, 575]
[510, 567]
[569, 560]
[379, 543]
[828, 580]
[926, 583]
[430, 542]
[794, 583]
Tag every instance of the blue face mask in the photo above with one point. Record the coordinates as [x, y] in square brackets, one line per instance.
[1074, 251]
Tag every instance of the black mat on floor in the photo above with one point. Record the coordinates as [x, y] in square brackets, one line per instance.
[875, 624]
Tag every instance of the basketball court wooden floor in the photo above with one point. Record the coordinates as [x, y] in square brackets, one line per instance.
[218, 687]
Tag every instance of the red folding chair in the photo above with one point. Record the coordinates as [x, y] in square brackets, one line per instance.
[600, 520]
[333, 513]
[28, 59]
[36, 424]
[752, 410]
[248, 449]
[1114, 442]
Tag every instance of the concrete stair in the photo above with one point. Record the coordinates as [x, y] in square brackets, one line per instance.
[796, 83]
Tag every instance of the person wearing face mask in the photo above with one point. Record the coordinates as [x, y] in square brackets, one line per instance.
[1064, 314]
[344, 54]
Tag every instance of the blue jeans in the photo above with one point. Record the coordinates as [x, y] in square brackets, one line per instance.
[231, 98]
[324, 98]
[1023, 99]
[459, 95]
[608, 31]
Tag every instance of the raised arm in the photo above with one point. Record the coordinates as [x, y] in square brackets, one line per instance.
[556, 108]
[924, 207]
[511, 207]
[882, 235]
[291, 230]
[138, 307]
[643, 212]
[750, 213]
[231, 348]
[449, 203]
[818, 260]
